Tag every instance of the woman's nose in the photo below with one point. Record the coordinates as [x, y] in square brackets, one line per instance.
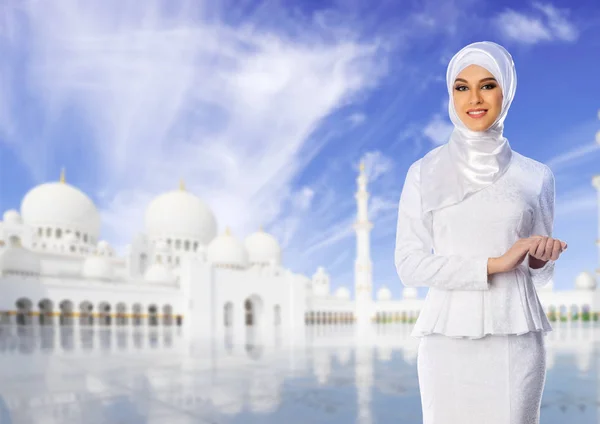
[475, 97]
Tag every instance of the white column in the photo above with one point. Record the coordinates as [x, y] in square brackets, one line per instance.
[363, 288]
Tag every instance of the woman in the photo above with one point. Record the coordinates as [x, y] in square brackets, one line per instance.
[483, 209]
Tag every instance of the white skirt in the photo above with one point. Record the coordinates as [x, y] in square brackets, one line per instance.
[497, 379]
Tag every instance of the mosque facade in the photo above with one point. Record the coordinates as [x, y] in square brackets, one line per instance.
[54, 270]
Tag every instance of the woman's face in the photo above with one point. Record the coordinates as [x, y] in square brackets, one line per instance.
[477, 98]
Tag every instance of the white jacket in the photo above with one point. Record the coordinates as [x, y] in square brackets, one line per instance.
[448, 249]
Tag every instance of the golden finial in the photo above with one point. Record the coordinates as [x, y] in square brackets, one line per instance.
[260, 228]
[227, 231]
[181, 185]
[62, 175]
[362, 166]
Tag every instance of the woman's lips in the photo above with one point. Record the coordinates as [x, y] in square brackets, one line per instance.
[478, 115]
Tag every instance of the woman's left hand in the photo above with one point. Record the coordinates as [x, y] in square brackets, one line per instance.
[546, 248]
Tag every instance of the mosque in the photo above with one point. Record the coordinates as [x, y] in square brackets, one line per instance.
[54, 270]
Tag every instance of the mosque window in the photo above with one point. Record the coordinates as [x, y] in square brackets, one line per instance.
[72, 248]
[187, 245]
[177, 260]
[48, 232]
[195, 246]
[58, 233]
[177, 244]
[43, 245]
[169, 242]
[78, 234]
[85, 238]
[40, 231]
[169, 259]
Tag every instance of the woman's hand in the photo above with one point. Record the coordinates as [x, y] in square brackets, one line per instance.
[539, 247]
[546, 248]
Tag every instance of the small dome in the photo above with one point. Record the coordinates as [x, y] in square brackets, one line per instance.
[262, 247]
[158, 274]
[384, 294]
[103, 248]
[226, 250]
[18, 259]
[342, 293]
[180, 214]
[12, 217]
[585, 281]
[97, 268]
[409, 293]
[60, 205]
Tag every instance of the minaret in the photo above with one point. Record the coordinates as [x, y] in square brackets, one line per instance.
[363, 289]
[596, 183]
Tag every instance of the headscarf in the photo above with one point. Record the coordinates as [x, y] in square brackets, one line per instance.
[470, 160]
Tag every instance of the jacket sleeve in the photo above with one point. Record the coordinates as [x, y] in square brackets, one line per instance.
[543, 223]
[415, 263]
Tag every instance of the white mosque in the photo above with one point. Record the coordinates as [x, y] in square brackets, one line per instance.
[55, 271]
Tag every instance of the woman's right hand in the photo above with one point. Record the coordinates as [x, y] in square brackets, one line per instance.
[516, 254]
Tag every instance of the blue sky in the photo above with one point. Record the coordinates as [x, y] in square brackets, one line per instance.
[266, 109]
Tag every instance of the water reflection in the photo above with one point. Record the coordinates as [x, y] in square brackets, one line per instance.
[334, 374]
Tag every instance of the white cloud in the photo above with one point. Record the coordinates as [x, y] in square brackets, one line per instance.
[357, 119]
[438, 130]
[376, 165]
[532, 29]
[228, 109]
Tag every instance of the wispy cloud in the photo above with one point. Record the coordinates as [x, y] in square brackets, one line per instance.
[548, 24]
[438, 130]
[164, 96]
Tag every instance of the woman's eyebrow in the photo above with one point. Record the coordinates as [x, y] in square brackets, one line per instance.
[481, 80]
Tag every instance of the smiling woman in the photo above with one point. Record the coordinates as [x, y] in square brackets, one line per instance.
[477, 98]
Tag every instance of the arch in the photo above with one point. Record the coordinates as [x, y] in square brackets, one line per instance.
[86, 315]
[228, 314]
[574, 312]
[46, 307]
[167, 315]
[24, 308]
[137, 314]
[143, 263]
[253, 308]
[104, 312]
[277, 315]
[121, 314]
[562, 313]
[66, 312]
[153, 315]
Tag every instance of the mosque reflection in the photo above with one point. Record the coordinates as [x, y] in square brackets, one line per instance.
[329, 373]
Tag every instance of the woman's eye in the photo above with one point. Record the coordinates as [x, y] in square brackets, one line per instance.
[459, 88]
[490, 86]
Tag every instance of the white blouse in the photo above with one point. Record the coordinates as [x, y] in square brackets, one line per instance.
[462, 300]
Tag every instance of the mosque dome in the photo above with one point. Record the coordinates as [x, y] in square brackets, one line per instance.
[262, 247]
[225, 250]
[12, 217]
[103, 248]
[18, 259]
[60, 205]
[342, 293]
[158, 273]
[179, 213]
[384, 294]
[97, 267]
[409, 293]
[585, 281]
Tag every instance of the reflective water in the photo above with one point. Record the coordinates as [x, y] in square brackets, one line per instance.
[325, 375]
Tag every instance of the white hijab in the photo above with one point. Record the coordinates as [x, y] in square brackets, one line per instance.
[471, 160]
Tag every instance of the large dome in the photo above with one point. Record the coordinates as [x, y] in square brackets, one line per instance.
[60, 205]
[180, 214]
[227, 251]
[262, 248]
